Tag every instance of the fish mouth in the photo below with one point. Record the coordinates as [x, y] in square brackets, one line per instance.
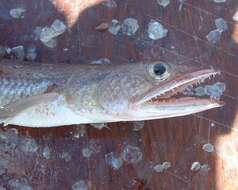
[169, 96]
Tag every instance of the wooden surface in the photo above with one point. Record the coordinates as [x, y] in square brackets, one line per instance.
[178, 140]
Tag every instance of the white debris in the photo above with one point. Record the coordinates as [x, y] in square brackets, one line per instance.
[138, 125]
[114, 27]
[235, 16]
[51, 43]
[100, 62]
[205, 168]
[28, 145]
[130, 26]
[216, 90]
[219, 1]
[79, 131]
[80, 185]
[163, 3]
[46, 152]
[17, 13]
[31, 53]
[208, 147]
[19, 184]
[214, 36]
[132, 154]
[65, 156]
[156, 30]
[19, 52]
[221, 24]
[93, 148]
[48, 34]
[114, 161]
[200, 91]
[162, 167]
[195, 166]
[110, 3]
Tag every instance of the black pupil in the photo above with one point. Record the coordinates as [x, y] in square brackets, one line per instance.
[159, 69]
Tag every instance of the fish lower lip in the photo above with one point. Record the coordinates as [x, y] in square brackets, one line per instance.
[184, 100]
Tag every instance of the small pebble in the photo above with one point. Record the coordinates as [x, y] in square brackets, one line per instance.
[80, 185]
[156, 30]
[208, 147]
[195, 166]
[17, 13]
[114, 161]
[110, 3]
[46, 152]
[114, 27]
[59, 27]
[163, 3]
[132, 154]
[130, 26]
[138, 125]
[214, 36]
[28, 145]
[162, 167]
[221, 24]
[19, 52]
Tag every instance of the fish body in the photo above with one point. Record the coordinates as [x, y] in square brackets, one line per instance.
[48, 95]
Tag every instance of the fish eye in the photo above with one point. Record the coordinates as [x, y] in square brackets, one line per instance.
[160, 71]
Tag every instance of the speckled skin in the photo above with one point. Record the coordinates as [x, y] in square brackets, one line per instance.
[91, 93]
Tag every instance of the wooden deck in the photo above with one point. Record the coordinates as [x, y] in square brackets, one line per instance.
[177, 140]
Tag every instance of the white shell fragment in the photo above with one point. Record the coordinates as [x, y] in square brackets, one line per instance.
[100, 62]
[130, 26]
[162, 167]
[48, 34]
[216, 90]
[17, 13]
[156, 30]
[19, 52]
[219, 1]
[114, 161]
[80, 185]
[163, 3]
[221, 24]
[110, 3]
[132, 154]
[208, 147]
[235, 16]
[214, 36]
[114, 27]
[195, 166]
[138, 125]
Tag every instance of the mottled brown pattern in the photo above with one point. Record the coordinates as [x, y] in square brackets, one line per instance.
[177, 140]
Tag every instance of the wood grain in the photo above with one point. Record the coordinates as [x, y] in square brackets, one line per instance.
[176, 140]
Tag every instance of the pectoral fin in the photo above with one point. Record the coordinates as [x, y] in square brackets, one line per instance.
[8, 112]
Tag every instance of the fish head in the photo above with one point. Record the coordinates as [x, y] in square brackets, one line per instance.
[153, 91]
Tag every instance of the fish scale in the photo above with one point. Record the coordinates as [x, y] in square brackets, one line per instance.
[13, 89]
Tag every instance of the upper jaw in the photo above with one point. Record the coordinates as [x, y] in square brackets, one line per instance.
[178, 84]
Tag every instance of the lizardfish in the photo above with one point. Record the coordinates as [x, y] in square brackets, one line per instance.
[48, 95]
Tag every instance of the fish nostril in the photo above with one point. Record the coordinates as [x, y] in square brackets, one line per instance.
[159, 69]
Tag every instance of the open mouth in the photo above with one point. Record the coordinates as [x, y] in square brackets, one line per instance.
[172, 92]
